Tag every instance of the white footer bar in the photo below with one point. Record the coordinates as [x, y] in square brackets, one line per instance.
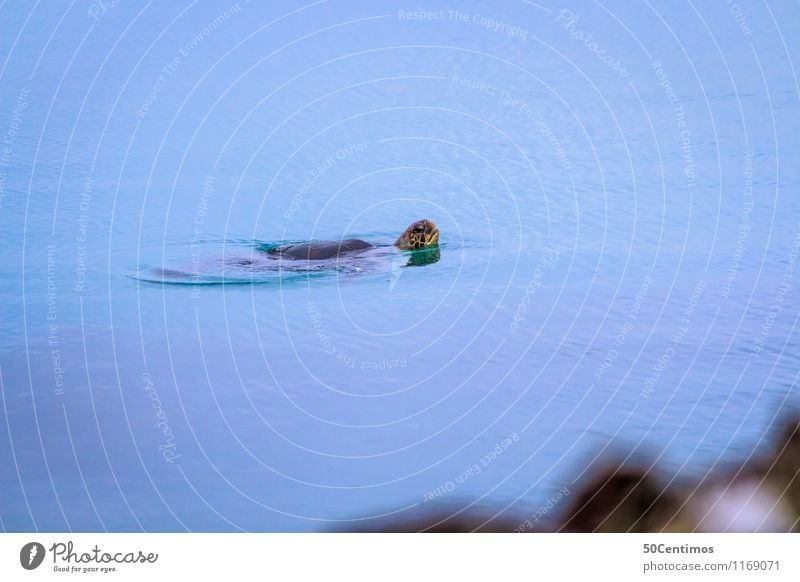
[381, 557]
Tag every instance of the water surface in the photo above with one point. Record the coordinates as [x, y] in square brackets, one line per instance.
[618, 268]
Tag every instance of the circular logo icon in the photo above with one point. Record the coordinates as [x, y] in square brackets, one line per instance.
[31, 555]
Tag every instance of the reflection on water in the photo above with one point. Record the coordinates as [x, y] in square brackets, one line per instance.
[424, 257]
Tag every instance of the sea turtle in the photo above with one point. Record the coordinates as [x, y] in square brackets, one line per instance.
[265, 261]
[420, 235]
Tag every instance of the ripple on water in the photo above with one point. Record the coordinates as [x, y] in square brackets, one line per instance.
[253, 265]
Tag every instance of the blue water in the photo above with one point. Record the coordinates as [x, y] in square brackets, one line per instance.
[620, 231]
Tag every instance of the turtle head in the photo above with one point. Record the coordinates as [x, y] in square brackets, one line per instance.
[421, 234]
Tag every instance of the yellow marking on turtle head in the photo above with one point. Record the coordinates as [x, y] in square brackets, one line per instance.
[421, 234]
